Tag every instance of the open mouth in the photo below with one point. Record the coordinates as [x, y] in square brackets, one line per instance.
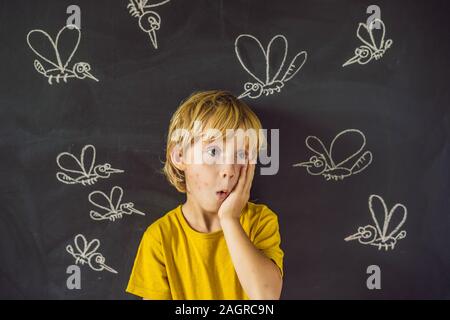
[222, 194]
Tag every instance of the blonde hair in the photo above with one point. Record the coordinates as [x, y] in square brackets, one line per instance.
[216, 109]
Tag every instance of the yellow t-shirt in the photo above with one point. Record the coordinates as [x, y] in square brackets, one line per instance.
[177, 262]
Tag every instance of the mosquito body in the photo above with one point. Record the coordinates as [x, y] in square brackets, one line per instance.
[60, 69]
[324, 163]
[111, 206]
[82, 170]
[381, 234]
[272, 81]
[373, 47]
[86, 253]
[149, 20]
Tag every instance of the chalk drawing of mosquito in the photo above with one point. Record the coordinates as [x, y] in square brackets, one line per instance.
[271, 82]
[373, 47]
[82, 170]
[149, 21]
[111, 205]
[86, 253]
[324, 163]
[379, 234]
[60, 69]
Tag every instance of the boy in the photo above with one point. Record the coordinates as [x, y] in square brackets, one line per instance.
[217, 245]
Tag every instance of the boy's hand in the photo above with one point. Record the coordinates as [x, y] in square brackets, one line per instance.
[231, 207]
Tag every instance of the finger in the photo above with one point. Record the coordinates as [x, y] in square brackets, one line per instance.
[241, 182]
[252, 156]
[250, 175]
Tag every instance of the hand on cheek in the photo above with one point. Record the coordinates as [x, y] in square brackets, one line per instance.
[231, 207]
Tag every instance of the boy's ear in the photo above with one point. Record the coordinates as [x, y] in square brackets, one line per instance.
[177, 158]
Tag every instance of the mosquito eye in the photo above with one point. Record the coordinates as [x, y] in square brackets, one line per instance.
[100, 259]
[248, 86]
[364, 53]
[366, 235]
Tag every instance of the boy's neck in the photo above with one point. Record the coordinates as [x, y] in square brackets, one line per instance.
[199, 219]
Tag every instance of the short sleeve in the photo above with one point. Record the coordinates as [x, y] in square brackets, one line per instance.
[267, 237]
[149, 276]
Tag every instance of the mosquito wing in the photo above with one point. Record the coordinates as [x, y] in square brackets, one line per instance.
[144, 4]
[101, 200]
[44, 47]
[71, 166]
[84, 247]
[396, 219]
[115, 197]
[316, 145]
[296, 64]
[251, 56]
[378, 34]
[67, 42]
[275, 57]
[365, 34]
[346, 146]
[88, 158]
[379, 213]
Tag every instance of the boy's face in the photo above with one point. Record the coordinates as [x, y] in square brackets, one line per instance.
[210, 181]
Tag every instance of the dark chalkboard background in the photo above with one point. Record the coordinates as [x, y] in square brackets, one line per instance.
[400, 102]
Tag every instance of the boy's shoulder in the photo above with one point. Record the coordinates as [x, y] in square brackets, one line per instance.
[258, 209]
[256, 212]
[164, 223]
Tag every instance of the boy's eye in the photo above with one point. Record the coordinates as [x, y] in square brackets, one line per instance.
[213, 152]
[242, 154]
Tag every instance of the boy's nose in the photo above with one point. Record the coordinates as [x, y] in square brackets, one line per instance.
[227, 171]
[225, 175]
